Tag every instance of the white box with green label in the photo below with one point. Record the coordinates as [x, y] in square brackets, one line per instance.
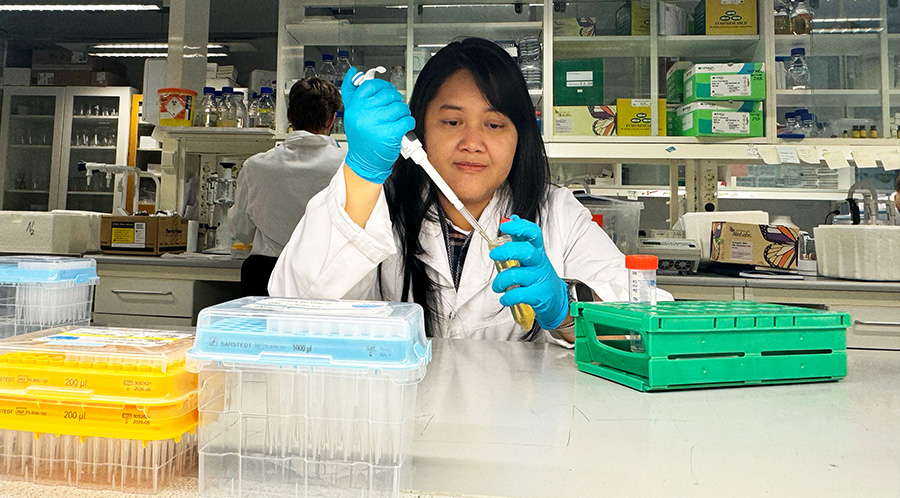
[721, 119]
[733, 81]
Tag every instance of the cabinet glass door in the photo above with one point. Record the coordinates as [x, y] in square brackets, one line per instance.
[601, 70]
[93, 138]
[835, 78]
[29, 130]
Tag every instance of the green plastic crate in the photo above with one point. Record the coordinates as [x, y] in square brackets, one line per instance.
[693, 344]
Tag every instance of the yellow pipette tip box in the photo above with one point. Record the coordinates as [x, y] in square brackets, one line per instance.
[98, 364]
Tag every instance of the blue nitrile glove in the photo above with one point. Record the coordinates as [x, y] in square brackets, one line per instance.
[375, 120]
[539, 286]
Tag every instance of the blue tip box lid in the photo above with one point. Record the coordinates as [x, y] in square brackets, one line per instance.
[312, 333]
[47, 270]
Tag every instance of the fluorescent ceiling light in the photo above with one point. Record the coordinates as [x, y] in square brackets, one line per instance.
[77, 8]
[847, 19]
[145, 54]
[145, 45]
[845, 30]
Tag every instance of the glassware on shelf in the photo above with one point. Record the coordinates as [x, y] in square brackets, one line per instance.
[240, 109]
[207, 114]
[328, 72]
[801, 18]
[266, 109]
[798, 73]
[398, 77]
[530, 56]
[309, 70]
[342, 66]
[782, 18]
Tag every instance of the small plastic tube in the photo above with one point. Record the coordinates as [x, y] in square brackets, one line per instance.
[523, 314]
[641, 288]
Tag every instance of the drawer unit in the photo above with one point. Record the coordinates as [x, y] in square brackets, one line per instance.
[146, 296]
[875, 327]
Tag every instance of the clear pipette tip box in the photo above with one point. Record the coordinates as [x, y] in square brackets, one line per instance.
[306, 398]
[39, 292]
[94, 407]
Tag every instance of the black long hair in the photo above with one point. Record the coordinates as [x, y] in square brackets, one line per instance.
[410, 193]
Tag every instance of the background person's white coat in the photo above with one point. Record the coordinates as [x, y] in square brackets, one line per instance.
[273, 188]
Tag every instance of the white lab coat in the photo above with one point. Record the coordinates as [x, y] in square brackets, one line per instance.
[273, 188]
[330, 256]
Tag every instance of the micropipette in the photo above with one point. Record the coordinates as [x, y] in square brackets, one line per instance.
[411, 148]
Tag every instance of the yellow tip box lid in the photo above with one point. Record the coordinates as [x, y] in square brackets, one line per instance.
[96, 364]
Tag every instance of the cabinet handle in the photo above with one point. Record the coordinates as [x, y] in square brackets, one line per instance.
[876, 324]
[142, 292]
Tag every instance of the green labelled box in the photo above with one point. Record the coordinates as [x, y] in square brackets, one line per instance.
[578, 82]
[673, 124]
[721, 119]
[694, 344]
[675, 82]
[599, 120]
[735, 81]
[633, 18]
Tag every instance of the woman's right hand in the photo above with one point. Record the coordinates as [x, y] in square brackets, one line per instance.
[375, 120]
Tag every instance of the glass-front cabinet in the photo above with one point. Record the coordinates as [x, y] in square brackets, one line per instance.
[46, 132]
[782, 95]
[30, 137]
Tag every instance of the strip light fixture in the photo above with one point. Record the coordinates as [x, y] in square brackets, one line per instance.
[145, 54]
[77, 7]
[132, 46]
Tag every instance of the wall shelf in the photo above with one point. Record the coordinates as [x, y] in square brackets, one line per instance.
[828, 98]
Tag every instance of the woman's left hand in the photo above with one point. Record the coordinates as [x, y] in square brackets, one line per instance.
[538, 284]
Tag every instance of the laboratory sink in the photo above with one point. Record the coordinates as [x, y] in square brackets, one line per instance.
[858, 252]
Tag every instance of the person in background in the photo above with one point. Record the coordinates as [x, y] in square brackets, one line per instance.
[381, 230]
[273, 187]
[897, 192]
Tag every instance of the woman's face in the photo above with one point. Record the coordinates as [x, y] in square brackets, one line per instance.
[470, 144]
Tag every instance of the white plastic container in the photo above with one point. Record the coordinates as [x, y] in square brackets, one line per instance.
[56, 232]
[39, 292]
[307, 398]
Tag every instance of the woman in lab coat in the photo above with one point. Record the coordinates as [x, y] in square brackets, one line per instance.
[273, 187]
[381, 230]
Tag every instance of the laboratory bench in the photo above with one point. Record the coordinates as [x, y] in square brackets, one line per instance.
[509, 419]
[170, 291]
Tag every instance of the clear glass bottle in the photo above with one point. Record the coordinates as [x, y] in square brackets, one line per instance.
[342, 66]
[338, 128]
[790, 120]
[253, 112]
[207, 114]
[240, 110]
[309, 70]
[228, 116]
[781, 71]
[266, 108]
[328, 72]
[801, 18]
[218, 101]
[798, 73]
[782, 18]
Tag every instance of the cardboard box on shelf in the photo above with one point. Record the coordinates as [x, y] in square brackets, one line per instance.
[721, 119]
[672, 19]
[106, 78]
[60, 77]
[633, 18]
[592, 120]
[578, 82]
[212, 70]
[633, 117]
[773, 246]
[229, 72]
[574, 26]
[675, 81]
[259, 78]
[144, 235]
[53, 57]
[732, 81]
[725, 17]
[673, 128]
[16, 76]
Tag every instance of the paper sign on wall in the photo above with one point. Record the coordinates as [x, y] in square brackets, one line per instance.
[788, 154]
[835, 159]
[890, 159]
[865, 158]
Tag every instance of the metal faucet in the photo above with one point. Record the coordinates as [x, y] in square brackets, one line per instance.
[871, 202]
